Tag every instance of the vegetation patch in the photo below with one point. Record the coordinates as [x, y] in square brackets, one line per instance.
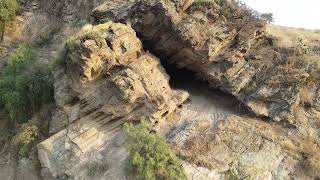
[96, 168]
[8, 10]
[149, 155]
[88, 32]
[27, 134]
[303, 48]
[232, 175]
[24, 150]
[24, 86]
[44, 38]
[24, 138]
[200, 4]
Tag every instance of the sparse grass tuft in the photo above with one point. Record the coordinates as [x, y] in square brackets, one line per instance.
[225, 10]
[90, 32]
[96, 168]
[24, 150]
[232, 175]
[44, 38]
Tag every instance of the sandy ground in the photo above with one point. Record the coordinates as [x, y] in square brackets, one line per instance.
[216, 104]
[203, 101]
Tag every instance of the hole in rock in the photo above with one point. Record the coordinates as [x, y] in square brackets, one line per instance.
[216, 104]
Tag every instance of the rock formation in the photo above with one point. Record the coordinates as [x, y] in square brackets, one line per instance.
[229, 50]
[107, 80]
[108, 77]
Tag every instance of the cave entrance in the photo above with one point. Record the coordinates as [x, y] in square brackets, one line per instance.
[181, 78]
[204, 100]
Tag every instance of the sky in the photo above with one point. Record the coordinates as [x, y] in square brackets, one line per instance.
[292, 13]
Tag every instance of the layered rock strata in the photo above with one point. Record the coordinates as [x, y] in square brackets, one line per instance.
[106, 80]
[225, 43]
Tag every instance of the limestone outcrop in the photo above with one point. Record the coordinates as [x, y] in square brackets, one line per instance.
[225, 43]
[106, 80]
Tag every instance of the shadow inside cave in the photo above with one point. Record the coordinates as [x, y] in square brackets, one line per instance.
[203, 100]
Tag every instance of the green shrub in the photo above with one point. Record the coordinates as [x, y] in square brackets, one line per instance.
[19, 59]
[23, 86]
[200, 4]
[24, 150]
[66, 177]
[8, 10]
[149, 155]
[40, 87]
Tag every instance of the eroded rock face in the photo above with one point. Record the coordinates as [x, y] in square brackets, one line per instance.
[107, 80]
[247, 147]
[230, 51]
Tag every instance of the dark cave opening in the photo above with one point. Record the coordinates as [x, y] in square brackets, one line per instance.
[215, 103]
[181, 77]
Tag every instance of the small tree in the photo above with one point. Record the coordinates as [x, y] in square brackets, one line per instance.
[8, 10]
[149, 155]
[268, 17]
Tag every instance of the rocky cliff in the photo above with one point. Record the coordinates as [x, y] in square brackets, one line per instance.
[231, 50]
[112, 74]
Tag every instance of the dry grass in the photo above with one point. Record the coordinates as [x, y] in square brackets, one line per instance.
[289, 37]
